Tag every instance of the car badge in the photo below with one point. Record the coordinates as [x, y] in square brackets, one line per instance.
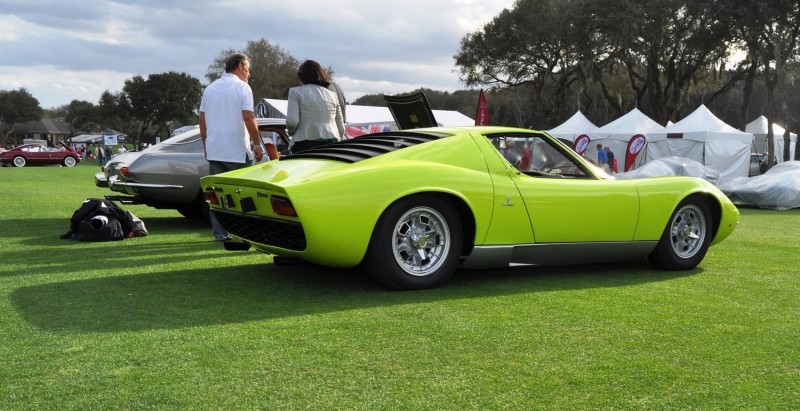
[508, 202]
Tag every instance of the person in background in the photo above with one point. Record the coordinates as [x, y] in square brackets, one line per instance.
[610, 159]
[602, 156]
[525, 160]
[314, 116]
[228, 126]
[511, 155]
[122, 149]
[101, 155]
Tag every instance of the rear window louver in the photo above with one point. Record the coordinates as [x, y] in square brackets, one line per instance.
[363, 148]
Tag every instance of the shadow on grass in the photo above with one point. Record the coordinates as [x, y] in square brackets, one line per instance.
[173, 239]
[256, 292]
[52, 228]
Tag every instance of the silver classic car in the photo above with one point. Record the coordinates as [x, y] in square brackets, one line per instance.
[167, 175]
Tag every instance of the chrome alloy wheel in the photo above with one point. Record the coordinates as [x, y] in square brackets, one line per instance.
[421, 241]
[688, 231]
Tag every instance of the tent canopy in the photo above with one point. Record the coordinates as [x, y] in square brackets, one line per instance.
[619, 132]
[364, 115]
[760, 127]
[572, 128]
[703, 137]
[364, 119]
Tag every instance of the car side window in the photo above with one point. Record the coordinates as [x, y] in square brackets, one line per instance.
[536, 156]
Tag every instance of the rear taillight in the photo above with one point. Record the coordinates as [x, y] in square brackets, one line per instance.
[211, 196]
[124, 171]
[282, 206]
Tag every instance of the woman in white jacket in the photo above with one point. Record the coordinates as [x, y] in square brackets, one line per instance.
[314, 116]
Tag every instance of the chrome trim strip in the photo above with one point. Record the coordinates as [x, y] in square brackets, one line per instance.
[144, 185]
[500, 256]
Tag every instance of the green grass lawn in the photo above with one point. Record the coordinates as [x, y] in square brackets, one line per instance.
[172, 321]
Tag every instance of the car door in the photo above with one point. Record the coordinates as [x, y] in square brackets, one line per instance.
[565, 202]
[38, 155]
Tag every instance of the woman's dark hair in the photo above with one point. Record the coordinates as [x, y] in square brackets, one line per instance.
[233, 61]
[310, 72]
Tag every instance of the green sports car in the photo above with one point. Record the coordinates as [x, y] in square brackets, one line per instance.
[413, 206]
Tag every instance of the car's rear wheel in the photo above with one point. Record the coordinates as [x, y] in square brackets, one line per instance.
[684, 242]
[20, 161]
[197, 210]
[416, 244]
[69, 161]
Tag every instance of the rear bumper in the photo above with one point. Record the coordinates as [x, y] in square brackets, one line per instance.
[101, 180]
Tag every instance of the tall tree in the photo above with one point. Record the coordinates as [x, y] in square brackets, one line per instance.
[16, 106]
[82, 116]
[115, 110]
[524, 49]
[161, 98]
[272, 69]
[780, 22]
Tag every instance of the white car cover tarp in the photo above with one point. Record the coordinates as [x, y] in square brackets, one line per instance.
[672, 166]
[777, 189]
[703, 137]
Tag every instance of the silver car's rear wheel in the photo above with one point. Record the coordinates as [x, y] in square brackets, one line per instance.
[19, 161]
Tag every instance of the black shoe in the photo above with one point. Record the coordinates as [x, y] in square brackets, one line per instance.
[236, 246]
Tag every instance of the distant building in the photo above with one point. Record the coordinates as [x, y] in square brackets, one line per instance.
[51, 130]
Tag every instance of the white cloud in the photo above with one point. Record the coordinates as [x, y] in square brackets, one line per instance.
[59, 86]
[63, 53]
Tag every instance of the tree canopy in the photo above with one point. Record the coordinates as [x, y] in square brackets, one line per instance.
[606, 57]
[272, 69]
[16, 106]
[161, 98]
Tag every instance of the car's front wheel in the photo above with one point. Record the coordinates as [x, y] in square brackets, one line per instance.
[684, 242]
[416, 244]
[70, 161]
[19, 161]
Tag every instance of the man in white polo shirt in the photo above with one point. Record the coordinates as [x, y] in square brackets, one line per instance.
[228, 125]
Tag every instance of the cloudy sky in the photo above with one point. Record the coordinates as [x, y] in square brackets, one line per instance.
[76, 49]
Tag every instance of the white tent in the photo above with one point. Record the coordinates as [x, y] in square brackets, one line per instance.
[703, 137]
[759, 127]
[575, 126]
[618, 133]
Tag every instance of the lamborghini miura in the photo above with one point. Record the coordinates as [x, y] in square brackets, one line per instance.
[414, 206]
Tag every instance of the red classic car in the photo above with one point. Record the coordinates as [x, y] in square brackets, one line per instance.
[39, 154]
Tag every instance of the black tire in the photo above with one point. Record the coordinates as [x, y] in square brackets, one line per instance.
[197, 210]
[19, 161]
[684, 243]
[416, 244]
[69, 161]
